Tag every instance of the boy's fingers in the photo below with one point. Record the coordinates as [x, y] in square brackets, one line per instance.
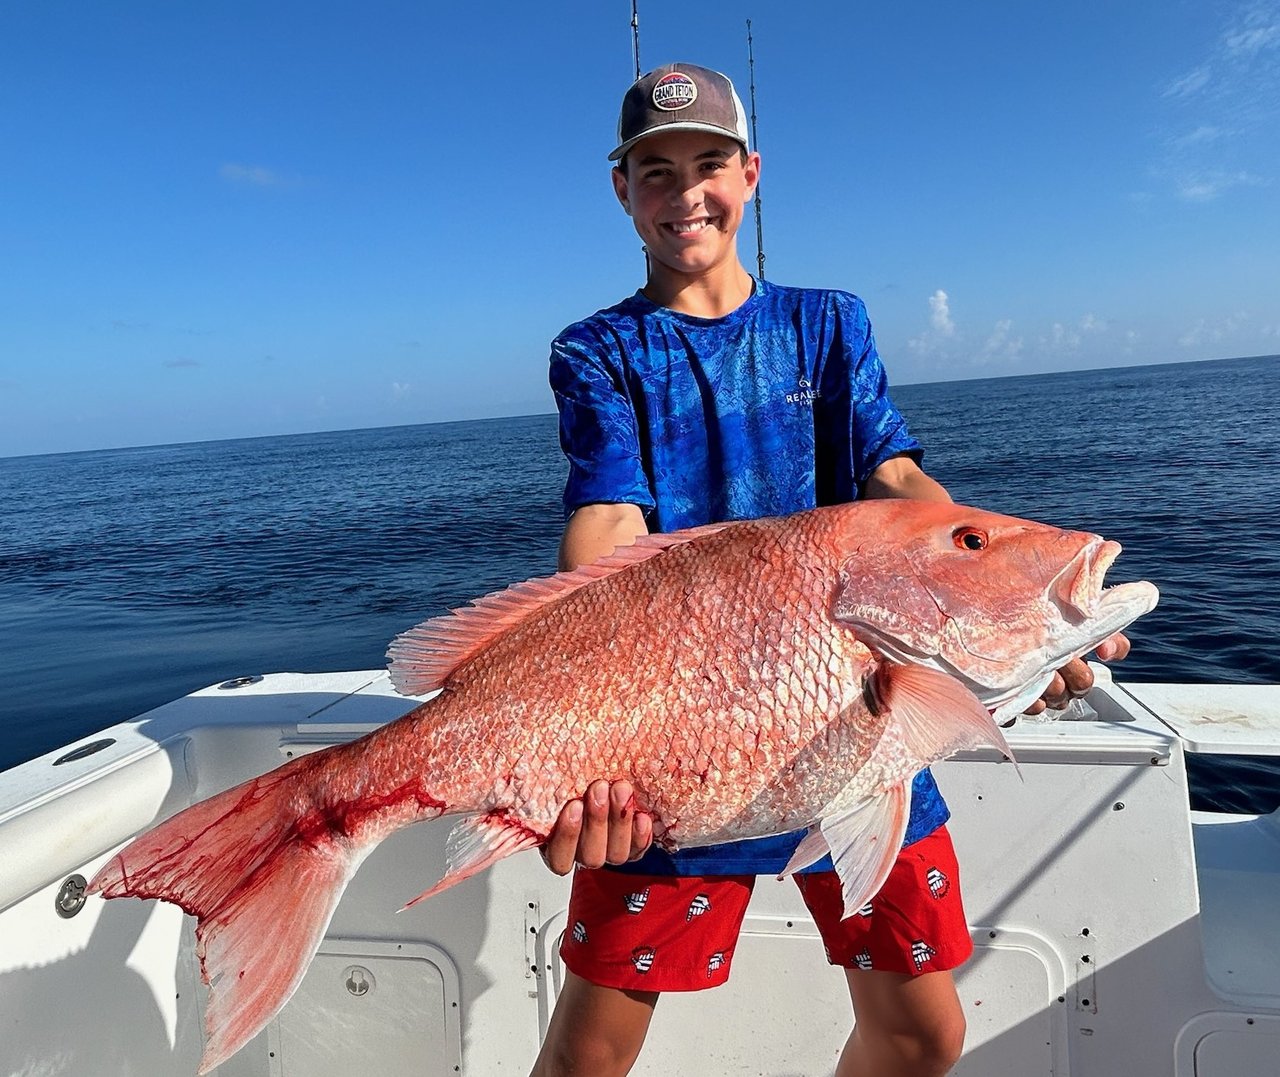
[1077, 678]
[593, 842]
[630, 827]
[1113, 648]
[641, 834]
[562, 844]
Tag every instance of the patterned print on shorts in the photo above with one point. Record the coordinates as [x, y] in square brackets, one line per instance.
[698, 906]
[862, 959]
[637, 901]
[579, 931]
[642, 957]
[939, 884]
[922, 952]
[866, 910]
[714, 962]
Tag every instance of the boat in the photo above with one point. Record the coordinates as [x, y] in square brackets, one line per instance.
[1117, 932]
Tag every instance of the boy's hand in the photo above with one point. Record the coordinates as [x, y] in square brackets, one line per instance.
[603, 827]
[1075, 679]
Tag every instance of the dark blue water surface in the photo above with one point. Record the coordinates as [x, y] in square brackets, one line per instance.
[130, 577]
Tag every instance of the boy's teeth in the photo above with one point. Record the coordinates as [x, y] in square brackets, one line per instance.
[691, 226]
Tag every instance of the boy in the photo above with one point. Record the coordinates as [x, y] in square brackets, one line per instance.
[709, 396]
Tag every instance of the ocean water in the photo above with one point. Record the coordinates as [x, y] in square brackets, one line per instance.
[130, 577]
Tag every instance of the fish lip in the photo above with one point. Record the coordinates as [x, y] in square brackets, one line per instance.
[1077, 590]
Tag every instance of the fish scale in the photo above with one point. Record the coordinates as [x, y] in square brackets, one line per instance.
[748, 679]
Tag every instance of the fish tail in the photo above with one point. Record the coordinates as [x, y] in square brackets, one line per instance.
[258, 862]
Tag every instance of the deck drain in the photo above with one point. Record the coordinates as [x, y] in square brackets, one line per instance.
[237, 682]
[359, 980]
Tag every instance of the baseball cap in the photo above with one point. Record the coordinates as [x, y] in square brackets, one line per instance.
[680, 97]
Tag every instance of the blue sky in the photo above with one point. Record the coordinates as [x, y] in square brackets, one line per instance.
[237, 219]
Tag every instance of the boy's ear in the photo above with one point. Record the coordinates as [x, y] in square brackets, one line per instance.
[620, 188]
[751, 169]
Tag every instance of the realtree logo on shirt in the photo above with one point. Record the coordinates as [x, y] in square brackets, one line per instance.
[806, 394]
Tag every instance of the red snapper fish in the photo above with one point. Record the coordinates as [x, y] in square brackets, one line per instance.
[752, 678]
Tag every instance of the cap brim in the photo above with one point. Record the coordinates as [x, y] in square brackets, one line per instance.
[710, 128]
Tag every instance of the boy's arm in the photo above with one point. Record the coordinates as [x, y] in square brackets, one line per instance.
[901, 476]
[593, 531]
[601, 827]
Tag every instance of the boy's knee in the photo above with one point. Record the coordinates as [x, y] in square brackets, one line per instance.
[585, 1055]
[944, 1043]
[933, 1047]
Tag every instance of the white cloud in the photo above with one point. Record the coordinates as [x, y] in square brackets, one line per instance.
[1189, 84]
[1002, 344]
[1258, 29]
[1202, 135]
[1206, 186]
[251, 175]
[1207, 332]
[1064, 337]
[1221, 114]
[940, 314]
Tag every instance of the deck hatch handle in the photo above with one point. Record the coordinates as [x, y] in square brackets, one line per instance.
[84, 751]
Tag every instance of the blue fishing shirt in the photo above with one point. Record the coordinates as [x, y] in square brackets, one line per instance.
[780, 406]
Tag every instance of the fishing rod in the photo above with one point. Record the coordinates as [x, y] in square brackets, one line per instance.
[635, 35]
[755, 144]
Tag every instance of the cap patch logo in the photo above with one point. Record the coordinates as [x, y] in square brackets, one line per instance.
[674, 91]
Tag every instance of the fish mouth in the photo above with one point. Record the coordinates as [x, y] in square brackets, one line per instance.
[1088, 607]
[1089, 613]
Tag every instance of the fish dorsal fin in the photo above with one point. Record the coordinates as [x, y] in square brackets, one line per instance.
[423, 658]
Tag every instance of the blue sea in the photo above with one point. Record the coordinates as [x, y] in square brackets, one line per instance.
[129, 577]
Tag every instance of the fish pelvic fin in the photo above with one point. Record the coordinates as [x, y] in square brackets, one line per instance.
[262, 874]
[423, 658]
[812, 848]
[938, 716]
[475, 842]
[865, 842]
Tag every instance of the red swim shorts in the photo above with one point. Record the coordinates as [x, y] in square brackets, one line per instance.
[678, 932]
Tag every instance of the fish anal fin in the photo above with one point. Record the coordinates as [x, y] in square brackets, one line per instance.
[423, 658]
[865, 842]
[938, 716]
[474, 843]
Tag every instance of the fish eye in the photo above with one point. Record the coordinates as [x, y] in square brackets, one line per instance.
[969, 538]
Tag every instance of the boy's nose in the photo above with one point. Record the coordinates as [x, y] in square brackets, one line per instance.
[687, 195]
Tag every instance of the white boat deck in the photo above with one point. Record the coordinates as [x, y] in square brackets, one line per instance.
[1117, 933]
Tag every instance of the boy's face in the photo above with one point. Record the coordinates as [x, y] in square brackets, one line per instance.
[685, 192]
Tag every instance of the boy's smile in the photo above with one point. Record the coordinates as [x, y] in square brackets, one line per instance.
[685, 192]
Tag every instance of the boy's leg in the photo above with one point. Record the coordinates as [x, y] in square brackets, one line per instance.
[898, 952]
[594, 1030]
[907, 1026]
[630, 938]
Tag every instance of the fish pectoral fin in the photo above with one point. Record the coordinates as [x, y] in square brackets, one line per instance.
[475, 842]
[865, 842]
[812, 848]
[937, 714]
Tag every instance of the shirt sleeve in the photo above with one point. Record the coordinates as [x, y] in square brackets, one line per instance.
[598, 431]
[861, 426]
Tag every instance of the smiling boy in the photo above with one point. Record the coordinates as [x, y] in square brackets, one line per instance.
[707, 396]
